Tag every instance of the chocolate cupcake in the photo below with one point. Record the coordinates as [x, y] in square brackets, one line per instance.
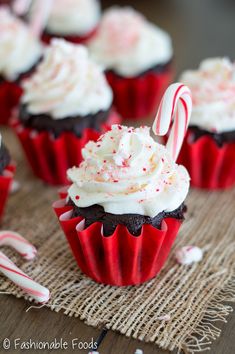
[124, 207]
[208, 151]
[65, 103]
[20, 51]
[137, 56]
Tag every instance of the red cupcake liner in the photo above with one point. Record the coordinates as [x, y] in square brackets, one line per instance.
[210, 166]
[46, 38]
[137, 98]
[50, 158]
[120, 259]
[10, 93]
[5, 185]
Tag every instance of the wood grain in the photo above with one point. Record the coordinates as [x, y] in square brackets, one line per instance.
[199, 29]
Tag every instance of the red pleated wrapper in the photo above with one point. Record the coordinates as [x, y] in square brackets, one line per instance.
[10, 93]
[120, 259]
[137, 98]
[46, 38]
[50, 157]
[210, 166]
[5, 186]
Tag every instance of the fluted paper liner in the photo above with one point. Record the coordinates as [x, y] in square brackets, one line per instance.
[120, 259]
[10, 93]
[210, 166]
[5, 184]
[51, 157]
[138, 97]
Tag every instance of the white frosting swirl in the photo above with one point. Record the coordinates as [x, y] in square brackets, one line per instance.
[126, 171]
[213, 90]
[19, 50]
[128, 44]
[73, 17]
[67, 83]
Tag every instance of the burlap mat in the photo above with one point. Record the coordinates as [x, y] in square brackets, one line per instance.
[193, 296]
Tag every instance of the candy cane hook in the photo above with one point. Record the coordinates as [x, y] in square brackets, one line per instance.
[19, 243]
[11, 271]
[176, 106]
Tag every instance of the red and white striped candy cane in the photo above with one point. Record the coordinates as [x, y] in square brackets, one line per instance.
[11, 271]
[176, 106]
[19, 243]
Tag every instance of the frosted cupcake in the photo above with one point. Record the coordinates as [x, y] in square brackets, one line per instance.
[65, 103]
[19, 53]
[208, 151]
[124, 207]
[6, 175]
[74, 20]
[137, 56]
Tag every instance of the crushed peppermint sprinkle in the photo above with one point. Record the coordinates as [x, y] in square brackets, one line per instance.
[77, 197]
[157, 190]
[115, 180]
[144, 169]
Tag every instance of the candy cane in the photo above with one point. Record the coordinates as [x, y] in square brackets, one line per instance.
[176, 104]
[11, 271]
[40, 13]
[16, 241]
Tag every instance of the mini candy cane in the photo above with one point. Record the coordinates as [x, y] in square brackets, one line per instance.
[16, 241]
[176, 103]
[11, 271]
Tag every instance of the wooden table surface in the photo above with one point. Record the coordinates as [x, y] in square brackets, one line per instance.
[199, 29]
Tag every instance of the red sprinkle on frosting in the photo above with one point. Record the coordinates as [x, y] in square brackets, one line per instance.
[77, 197]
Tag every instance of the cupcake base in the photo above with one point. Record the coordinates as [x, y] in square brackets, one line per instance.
[138, 97]
[120, 259]
[210, 166]
[50, 157]
[5, 185]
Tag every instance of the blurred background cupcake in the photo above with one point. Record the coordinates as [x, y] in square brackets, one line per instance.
[74, 20]
[6, 175]
[209, 150]
[66, 103]
[20, 51]
[137, 57]
[124, 207]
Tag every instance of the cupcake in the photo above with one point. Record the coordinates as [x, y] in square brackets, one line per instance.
[19, 53]
[74, 20]
[137, 57]
[124, 207]
[65, 103]
[6, 175]
[209, 150]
